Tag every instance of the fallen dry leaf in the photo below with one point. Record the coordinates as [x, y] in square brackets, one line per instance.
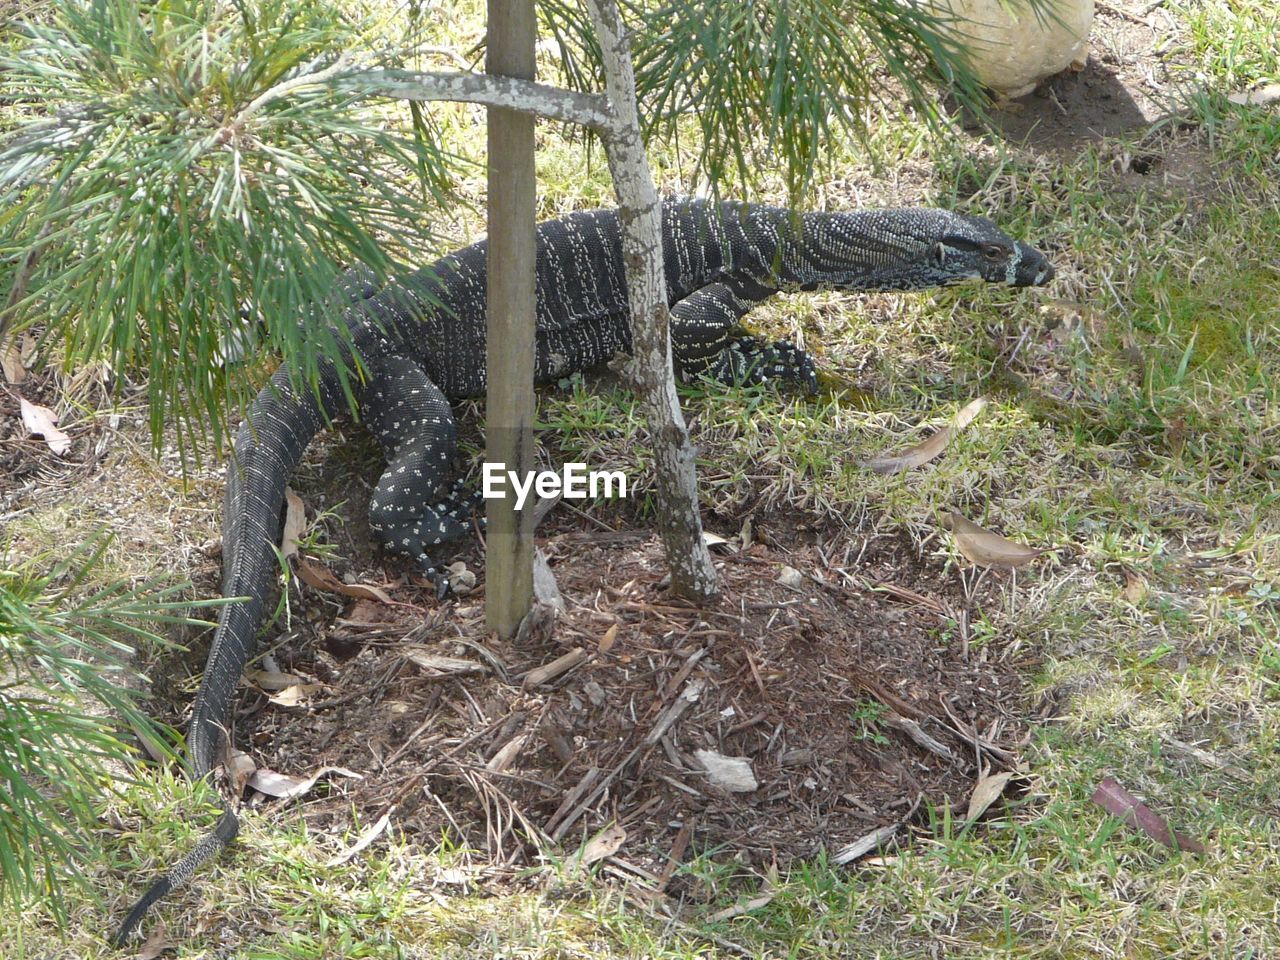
[1119, 802]
[604, 844]
[507, 754]
[11, 361]
[156, 943]
[790, 577]
[240, 768]
[928, 449]
[321, 577]
[715, 540]
[285, 787]
[1135, 588]
[293, 695]
[272, 679]
[987, 791]
[987, 549]
[41, 421]
[607, 641]
[295, 523]
[367, 837]
[738, 909]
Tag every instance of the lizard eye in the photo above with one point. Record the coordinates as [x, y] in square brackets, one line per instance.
[995, 252]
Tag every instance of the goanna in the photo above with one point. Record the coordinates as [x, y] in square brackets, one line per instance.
[421, 341]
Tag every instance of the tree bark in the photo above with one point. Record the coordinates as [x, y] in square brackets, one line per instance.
[510, 326]
[650, 368]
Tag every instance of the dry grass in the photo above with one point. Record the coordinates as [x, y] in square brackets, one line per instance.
[1146, 442]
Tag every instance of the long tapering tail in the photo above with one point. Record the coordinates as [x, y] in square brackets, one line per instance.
[280, 425]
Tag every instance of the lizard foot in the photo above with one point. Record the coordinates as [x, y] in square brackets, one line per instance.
[750, 361]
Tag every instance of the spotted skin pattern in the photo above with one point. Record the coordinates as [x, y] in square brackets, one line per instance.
[421, 344]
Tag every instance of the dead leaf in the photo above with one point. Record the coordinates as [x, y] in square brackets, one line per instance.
[604, 844]
[41, 421]
[1119, 802]
[607, 641]
[715, 540]
[1259, 97]
[156, 943]
[987, 549]
[315, 575]
[790, 577]
[293, 695]
[295, 523]
[367, 837]
[240, 768]
[505, 756]
[11, 361]
[988, 790]
[272, 679]
[286, 787]
[728, 773]
[154, 747]
[927, 450]
[1135, 588]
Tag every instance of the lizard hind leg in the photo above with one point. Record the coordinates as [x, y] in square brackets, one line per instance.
[415, 505]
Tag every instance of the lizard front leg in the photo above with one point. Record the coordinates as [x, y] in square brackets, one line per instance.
[415, 505]
[707, 339]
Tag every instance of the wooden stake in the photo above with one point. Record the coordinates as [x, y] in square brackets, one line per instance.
[510, 352]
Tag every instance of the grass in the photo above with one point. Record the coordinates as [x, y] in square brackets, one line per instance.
[1147, 442]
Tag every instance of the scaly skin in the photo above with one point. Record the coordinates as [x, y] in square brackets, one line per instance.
[421, 340]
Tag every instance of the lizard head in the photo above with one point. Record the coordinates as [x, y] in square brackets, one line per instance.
[911, 249]
[968, 247]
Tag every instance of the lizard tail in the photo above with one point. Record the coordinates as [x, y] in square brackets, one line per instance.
[210, 846]
[280, 425]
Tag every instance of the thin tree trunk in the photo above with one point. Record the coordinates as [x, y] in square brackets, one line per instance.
[650, 370]
[510, 332]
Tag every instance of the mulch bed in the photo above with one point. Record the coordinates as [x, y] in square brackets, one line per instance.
[818, 685]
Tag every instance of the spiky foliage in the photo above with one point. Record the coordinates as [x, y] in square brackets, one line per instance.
[188, 182]
[774, 86]
[64, 649]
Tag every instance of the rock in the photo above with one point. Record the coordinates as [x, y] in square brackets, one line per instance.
[1011, 53]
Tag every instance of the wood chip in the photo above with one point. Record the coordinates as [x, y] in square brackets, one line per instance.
[437, 664]
[557, 667]
[865, 844]
[688, 697]
[917, 734]
[728, 773]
